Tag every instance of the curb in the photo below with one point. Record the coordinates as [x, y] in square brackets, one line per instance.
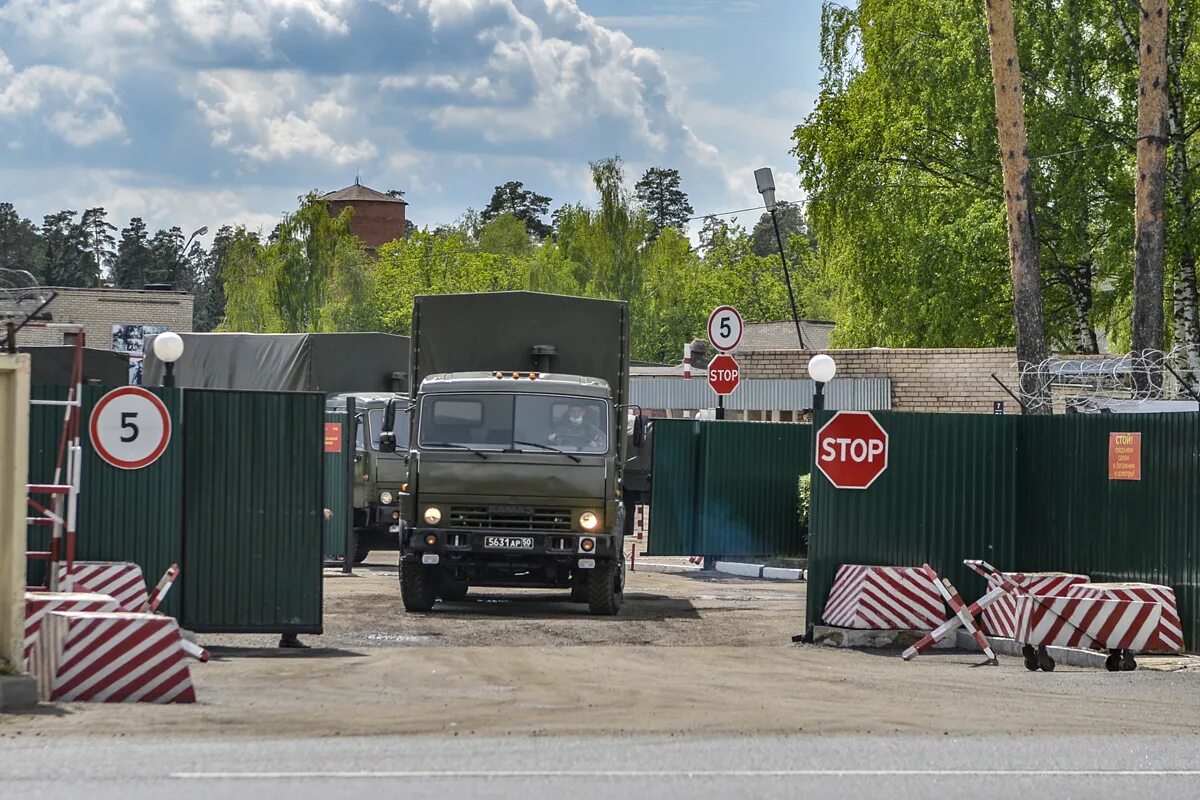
[761, 571]
[666, 569]
[829, 636]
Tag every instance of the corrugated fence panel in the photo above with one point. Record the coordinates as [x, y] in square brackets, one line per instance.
[948, 494]
[675, 488]
[124, 515]
[748, 487]
[337, 466]
[254, 497]
[1073, 518]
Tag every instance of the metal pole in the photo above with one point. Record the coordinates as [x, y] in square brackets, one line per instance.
[720, 406]
[819, 397]
[788, 279]
[169, 375]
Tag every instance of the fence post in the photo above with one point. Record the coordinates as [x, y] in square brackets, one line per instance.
[14, 465]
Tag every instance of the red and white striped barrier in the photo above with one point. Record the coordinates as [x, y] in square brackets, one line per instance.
[884, 598]
[964, 616]
[120, 580]
[164, 586]
[1000, 618]
[1086, 622]
[39, 604]
[1168, 636]
[112, 657]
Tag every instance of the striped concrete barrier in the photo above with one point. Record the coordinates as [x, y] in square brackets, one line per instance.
[39, 604]
[1000, 618]
[112, 657]
[1168, 636]
[884, 598]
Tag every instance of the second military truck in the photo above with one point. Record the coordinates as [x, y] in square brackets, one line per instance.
[517, 447]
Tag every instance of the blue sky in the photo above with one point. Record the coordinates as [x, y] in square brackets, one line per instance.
[206, 112]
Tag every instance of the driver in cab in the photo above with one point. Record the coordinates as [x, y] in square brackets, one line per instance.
[573, 430]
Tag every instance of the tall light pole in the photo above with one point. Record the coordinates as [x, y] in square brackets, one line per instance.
[766, 187]
[203, 229]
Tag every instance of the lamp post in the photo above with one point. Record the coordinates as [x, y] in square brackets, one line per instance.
[766, 187]
[168, 347]
[821, 368]
[203, 229]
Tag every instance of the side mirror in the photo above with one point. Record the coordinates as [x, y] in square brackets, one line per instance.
[387, 436]
[639, 430]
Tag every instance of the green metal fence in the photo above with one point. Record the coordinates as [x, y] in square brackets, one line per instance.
[727, 488]
[253, 512]
[1072, 517]
[948, 493]
[339, 486]
[125, 515]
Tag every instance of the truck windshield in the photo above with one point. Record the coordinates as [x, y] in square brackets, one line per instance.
[515, 422]
[401, 429]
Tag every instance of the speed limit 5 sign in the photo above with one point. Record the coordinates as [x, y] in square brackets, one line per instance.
[130, 427]
[724, 328]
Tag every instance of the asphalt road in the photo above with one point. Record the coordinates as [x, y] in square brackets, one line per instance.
[661, 767]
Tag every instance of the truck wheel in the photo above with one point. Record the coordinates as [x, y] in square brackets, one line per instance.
[606, 589]
[418, 586]
[453, 591]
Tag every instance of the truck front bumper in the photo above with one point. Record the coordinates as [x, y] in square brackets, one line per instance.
[454, 545]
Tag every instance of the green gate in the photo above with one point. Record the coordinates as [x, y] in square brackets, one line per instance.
[253, 488]
[727, 488]
[339, 480]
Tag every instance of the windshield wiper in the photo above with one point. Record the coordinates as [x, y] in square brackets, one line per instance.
[571, 456]
[461, 446]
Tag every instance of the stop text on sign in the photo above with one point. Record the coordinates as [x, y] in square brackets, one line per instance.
[852, 449]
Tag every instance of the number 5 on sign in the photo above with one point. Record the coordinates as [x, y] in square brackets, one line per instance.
[724, 328]
[130, 427]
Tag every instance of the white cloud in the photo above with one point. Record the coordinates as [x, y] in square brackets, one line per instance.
[78, 107]
[667, 21]
[276, 116]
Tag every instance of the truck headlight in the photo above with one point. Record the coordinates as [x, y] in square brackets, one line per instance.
[386, 498]
[588, 521]
[433, 515]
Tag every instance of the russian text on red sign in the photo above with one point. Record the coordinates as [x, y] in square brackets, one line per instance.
[852, 449]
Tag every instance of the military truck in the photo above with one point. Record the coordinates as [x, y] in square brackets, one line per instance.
[517, 447]
[378, 474]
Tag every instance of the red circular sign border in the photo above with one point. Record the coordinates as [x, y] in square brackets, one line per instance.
[736, 384]
[107, 457]
[741, 328]
[886, 448]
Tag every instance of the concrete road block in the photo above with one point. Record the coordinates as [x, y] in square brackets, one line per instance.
[781, 574]
[738, 568]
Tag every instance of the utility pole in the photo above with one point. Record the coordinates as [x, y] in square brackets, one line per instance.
[1018, 196]
[1149, 218]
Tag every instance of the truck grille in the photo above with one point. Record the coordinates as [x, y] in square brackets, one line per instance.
[510, 518]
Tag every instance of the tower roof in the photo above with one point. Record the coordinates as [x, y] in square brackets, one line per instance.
[358, 193]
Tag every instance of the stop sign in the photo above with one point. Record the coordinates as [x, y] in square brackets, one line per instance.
[852, 449]
[724, 374]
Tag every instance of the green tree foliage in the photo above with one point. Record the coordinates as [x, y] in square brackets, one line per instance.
[20, 243]
[169, 264]
[101, 244]
[790, 218]
[68, 262]
[135, 260]
[528, 206]
[665, 204]
[899, 159]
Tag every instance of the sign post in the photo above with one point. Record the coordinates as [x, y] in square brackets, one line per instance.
[724, 333]
[852, 449]
[130, 427]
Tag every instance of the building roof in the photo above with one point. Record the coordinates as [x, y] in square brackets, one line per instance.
[781, 335]
[357, 193]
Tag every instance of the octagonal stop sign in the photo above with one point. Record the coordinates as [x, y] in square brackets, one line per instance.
[724, 375]
[852, 449]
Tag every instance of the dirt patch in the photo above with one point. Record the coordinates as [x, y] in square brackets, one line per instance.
[689, 655]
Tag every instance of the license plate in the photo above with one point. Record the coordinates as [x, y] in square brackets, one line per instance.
[509, 542]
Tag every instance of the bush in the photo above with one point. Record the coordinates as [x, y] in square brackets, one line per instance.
[803, 501]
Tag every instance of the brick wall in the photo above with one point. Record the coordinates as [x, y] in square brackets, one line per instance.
[950, 380]
[99, 309]
[375, 222]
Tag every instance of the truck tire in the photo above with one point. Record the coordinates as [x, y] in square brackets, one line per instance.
[606, 588]
[418, 586]
[453, 591]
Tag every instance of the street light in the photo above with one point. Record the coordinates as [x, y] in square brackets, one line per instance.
[766, 187]
[168, 347]
[198, 232]
[821, 368]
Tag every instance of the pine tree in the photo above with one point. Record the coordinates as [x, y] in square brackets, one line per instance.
[134, 262]
[666, 205]
[528, 206]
